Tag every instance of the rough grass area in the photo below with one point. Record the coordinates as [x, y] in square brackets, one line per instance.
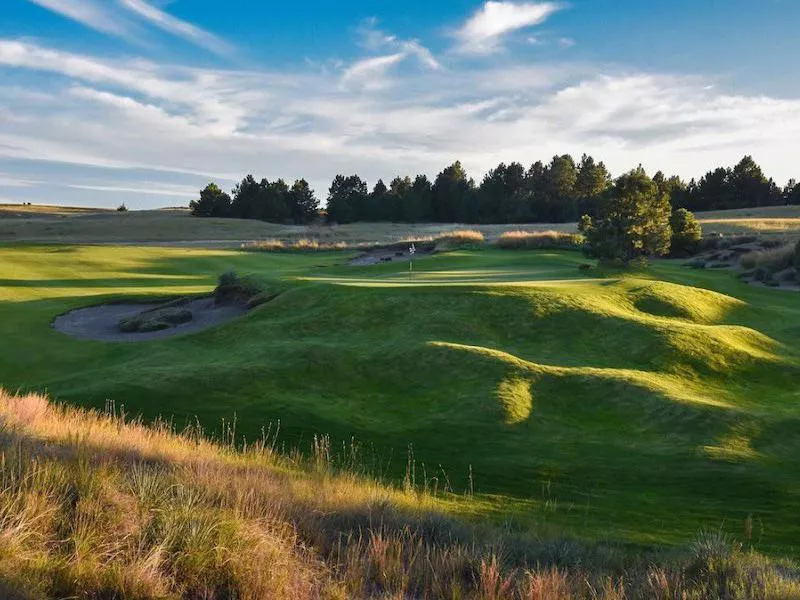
[301, 245]
[460, 239]
[773, 259]
[539, 240]
[93, 505]
[633, 407]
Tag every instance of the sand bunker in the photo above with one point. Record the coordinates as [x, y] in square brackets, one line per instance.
[102, 322]
[395, 253]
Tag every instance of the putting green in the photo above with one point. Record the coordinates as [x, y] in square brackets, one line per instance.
[635, 407]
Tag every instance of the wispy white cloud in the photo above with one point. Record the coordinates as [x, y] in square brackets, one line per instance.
[125, 18]
[484, 31]
[134, 114]
[177, 27]
[178, 191]
[370, 73]
[97, 16]
[12, 181]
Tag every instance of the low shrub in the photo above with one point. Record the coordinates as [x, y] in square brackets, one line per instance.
[770, 260]
[539, 240]
[233, 289]
[718, 241]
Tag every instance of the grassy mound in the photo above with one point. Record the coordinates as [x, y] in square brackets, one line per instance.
[639, 408]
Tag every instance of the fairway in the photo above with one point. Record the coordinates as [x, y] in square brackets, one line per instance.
[638, 407]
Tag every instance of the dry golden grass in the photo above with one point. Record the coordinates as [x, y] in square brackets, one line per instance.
[459, 238]
[33, 210]
[788, 226]
[771, 259]
[300, 245]
[531, 240]
[93, 505]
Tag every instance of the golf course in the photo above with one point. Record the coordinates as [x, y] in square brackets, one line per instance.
[530, 389]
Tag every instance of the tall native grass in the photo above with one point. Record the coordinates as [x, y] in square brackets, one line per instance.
[768, 262]
[459, 239]
[299, 245]
[95, 505]
[539, 240]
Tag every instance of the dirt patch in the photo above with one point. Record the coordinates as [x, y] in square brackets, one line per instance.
[394, 253]
[102, 323]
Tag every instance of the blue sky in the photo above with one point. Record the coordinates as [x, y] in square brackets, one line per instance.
[143, 102]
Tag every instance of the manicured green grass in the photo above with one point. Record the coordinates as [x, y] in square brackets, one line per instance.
[638, 407]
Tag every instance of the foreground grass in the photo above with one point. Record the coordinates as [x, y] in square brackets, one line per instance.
[95, 506]
[637, 408]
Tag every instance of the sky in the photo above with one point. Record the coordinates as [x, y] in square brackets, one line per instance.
[144, 102]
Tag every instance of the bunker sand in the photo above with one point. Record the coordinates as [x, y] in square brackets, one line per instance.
[101, 322]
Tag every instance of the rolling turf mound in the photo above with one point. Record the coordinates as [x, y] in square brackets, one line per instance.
[635, 407]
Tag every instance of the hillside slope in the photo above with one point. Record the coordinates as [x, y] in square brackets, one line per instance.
[95, 506]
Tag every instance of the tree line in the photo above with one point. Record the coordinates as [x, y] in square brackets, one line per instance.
[560, 191]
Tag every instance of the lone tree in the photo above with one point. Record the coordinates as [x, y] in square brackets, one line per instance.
[633, 221]
[686, 233]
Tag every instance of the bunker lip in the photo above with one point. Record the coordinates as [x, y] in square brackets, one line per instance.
[101, 322]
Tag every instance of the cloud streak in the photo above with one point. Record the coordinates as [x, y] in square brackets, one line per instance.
[483, 33]
[124, 19]
[92, 15]
[178, 27]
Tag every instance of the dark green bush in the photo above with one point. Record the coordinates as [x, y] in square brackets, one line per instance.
[233, 289]
[686, 233]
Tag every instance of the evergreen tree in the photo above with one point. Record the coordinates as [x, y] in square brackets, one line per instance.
[377, 207]
[303, 204]
[347, 198]
[686, 233]
[452, 195]
[246, 199]
[591, 181]
[398, 199]
[213, 202]
[633, 222]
